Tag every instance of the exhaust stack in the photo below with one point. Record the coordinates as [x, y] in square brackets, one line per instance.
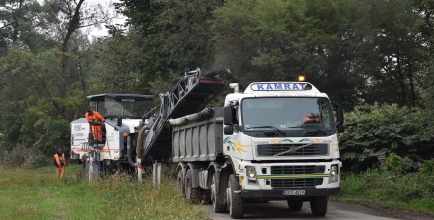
[235, 86]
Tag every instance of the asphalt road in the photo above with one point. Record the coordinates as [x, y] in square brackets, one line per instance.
[279, 210]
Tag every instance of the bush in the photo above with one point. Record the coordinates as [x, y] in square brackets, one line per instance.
[374, 131]
[427, 167]
[384, 185]
[397, 164]
[28, 158]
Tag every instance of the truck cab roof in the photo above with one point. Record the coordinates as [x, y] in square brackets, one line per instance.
[125, 105]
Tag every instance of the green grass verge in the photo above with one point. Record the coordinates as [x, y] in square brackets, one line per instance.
[411, 192]
[38, 194]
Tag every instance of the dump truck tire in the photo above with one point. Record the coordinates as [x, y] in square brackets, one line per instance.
[318, 205]
[218, 202]
[191, 193]
[295, 205]
[235, 201]
[180, 183]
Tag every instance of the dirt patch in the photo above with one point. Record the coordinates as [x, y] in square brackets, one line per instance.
[377, 210]
[26, 209]
[46, 193]
[61, 214]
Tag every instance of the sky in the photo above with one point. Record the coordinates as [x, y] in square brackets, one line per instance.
[94, 32]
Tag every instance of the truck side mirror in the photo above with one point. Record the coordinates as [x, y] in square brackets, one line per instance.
[340, 128]
[227, 115]
[228, 130]
[340, 117]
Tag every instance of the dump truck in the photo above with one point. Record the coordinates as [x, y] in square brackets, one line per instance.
[273, 141]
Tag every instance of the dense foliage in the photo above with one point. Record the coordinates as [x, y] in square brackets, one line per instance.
[375, 131]
[358, 52]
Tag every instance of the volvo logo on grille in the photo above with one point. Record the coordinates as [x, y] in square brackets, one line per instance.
[292, 149]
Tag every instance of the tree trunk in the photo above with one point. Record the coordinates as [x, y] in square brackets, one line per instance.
[16, 24]
[74, 23]
[410, 76]
[401, 78]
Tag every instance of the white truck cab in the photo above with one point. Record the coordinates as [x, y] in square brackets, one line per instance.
[281, 138]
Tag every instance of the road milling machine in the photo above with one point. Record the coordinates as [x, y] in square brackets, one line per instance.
[135, 134]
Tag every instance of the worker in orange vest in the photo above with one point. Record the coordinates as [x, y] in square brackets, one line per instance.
[95, 120]
[60, 163]
[313, 117]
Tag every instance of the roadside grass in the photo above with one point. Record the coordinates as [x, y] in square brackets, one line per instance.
[38, 194]
[414, 191]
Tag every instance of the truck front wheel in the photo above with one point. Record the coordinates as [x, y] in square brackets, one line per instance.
[318, 205]
[218, 201]
[235, 201]
[295, 205]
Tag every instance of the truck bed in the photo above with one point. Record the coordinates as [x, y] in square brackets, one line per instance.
[200, 140]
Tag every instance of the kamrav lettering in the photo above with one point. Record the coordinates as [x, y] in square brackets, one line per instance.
[278, 86]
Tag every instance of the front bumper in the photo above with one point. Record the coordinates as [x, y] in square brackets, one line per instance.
[277, 193]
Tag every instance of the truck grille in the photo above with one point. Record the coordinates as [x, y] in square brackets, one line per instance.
[292, 149]
[300, 182]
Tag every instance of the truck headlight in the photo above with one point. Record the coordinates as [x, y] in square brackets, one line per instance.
[251, 173]
[334, 174]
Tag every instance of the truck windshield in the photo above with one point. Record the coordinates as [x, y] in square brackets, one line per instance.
[286, 113]
[122, 107]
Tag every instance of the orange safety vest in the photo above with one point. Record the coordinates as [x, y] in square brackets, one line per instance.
[58, 160]
[96, 116]
[309, 118]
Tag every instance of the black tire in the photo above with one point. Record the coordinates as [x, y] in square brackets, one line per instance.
[295, 205]
[218, 202]
[180, 183]
[206, 196]
[191, 193]
[318, 205]
[235, 201]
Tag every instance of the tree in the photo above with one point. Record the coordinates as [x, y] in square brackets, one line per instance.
[176, 33]
[44, 87]
[278, 40]
[66, 17]
[397, 47]
[123, 67]
[20, 25]
[351, 50]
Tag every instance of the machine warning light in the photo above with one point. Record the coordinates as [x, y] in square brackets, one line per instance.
[302, 78]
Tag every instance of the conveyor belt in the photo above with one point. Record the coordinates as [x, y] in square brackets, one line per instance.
[189, 96]
[197, 98]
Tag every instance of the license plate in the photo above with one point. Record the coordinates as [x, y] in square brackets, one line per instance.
[293, 192]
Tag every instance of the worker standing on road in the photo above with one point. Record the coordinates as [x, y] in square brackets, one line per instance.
[60, 163]
[95, 119]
